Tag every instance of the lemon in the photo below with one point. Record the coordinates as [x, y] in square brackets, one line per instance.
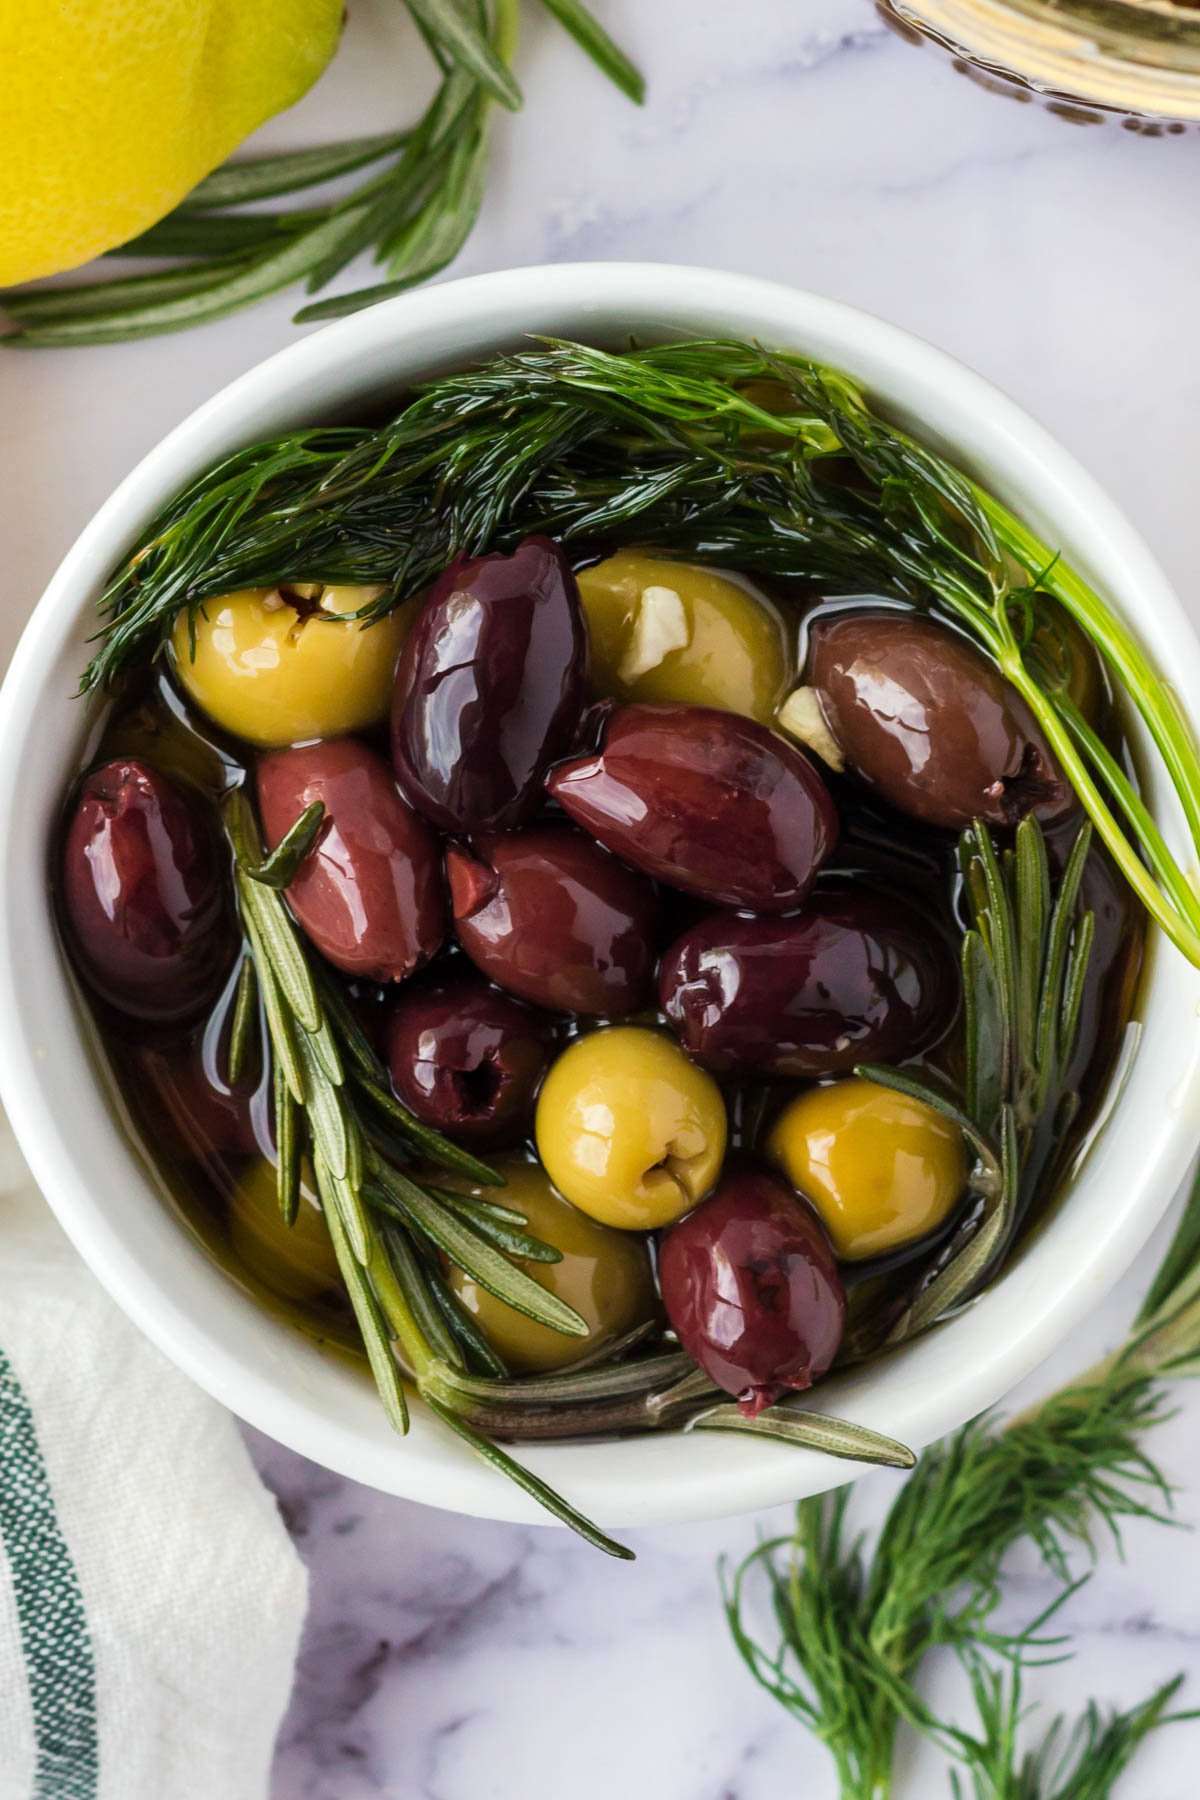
[113, 109]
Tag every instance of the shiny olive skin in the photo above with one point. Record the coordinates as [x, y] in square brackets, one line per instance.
[855, 976]
[210, 1117]
[752, 1289]
[629, 1129]
[551, 916]
[295, 1261]
[881, 1168]
[705, 801]
[369, 894]
[467, 1058]
[665, 630]
[605, 1275]
[145, 893]
[489, 688]
[930, 723]
[272, 667]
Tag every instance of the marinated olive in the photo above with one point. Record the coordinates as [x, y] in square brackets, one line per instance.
[296, 1261]
[922, 716]
[554, 918]
[751, 1287]
[180, 1085]
[145, 894]
[466, 1058]
[854, 977]
[604, 1274]
[489, 688]
[630, 1130]
[369, 893]
[705, 801]
[660, 630]
[882, 1169]
[271, 666]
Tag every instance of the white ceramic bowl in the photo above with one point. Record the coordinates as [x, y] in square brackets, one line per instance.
[109, 1201]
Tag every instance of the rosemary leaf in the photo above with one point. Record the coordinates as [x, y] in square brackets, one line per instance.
[430, 1142]
[266, 177]
[240, 286]
[466, 42]
[43, 305]
[477, 1256]
[417, 1288]
[592, 38]
[279, 1025]
[280, 868]
[532, 1484]
[812, 1431]
[367, 1311]
[505, 1236]
[245, 1013]
[188, 234]
[287, 1146]
[478, 1354]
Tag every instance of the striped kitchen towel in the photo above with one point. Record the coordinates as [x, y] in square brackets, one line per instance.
[150, 1601]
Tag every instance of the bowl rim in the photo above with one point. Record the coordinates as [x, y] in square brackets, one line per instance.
[926, 1390]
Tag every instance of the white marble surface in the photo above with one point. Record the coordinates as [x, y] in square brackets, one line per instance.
[447, 1659]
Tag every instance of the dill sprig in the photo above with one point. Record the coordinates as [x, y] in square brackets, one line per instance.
[414, 210]
[1080, 1761]
[721, 452]
[856, 1618]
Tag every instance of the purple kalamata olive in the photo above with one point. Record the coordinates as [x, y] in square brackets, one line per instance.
[855, 976]
[369, 894]
[706, 801]
[181, 1083]
[752, 1289]
[467, 1058]
[551, 916]
[489, 688]
[930, 723]
[145, 891]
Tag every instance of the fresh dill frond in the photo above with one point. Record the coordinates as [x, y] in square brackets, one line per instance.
[721, 452]
[855, 1617]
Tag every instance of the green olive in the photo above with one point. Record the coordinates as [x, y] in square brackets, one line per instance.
[273, 667]
[605, 1275]
[295, 1261]
[629, 1129]
[881, 1169]
[660, 630]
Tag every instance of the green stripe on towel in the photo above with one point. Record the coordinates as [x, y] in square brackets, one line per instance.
[59, 1666]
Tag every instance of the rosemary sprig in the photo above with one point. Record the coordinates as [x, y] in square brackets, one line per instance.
[856, 1619]
[414, 210]
[718, 451]
[391, 1224]
[1023, 965]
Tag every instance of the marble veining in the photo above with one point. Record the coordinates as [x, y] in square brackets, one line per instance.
[453, 1659]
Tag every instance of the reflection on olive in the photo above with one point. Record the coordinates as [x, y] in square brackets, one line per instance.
[882, 1169]
[466, 1057]
[605, 1275]
[146, 900]
[661, 630]
[930, 723]
[855, 976]
[629, 1129]
[751, 1287]
[552, 917]
[704, 801]
[273, 667]
[489, 688]
[295, 1261]
[369, 892]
